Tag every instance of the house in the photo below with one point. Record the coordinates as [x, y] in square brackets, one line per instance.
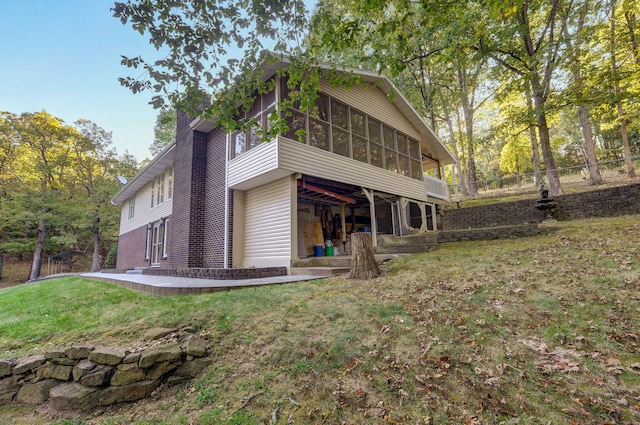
[217, 200]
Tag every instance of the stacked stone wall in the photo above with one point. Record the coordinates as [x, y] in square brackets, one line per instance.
[605, 202]
[83, 377]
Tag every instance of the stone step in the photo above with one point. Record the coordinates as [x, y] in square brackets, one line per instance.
[430, 238]
[403, 249]
[137, 270]
[341, 261]
[318, 271]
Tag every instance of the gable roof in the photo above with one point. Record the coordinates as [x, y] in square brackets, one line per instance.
[166, 156]
[381, 81]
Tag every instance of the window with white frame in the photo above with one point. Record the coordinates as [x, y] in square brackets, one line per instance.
[259, 116]
[132, 208]
[169, 183]
[160, 189]
[339, 128]
[153, 192]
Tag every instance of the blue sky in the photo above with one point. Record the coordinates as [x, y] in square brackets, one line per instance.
[63, 56]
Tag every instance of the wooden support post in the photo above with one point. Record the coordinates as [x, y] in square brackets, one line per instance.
[343, 223]
[405, 222]
[424, 225]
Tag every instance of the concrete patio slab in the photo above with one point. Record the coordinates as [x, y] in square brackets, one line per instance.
[168, 285]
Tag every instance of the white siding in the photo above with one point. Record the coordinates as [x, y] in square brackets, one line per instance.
[257, 161]
[371, 100]
[267, 225]
[143, 214]
[300, 158]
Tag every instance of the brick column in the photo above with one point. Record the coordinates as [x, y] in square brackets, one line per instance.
[186, 232]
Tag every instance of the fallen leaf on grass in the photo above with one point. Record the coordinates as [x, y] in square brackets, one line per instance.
[561, 366]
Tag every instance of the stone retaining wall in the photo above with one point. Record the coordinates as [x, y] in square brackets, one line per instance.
[489, 233]
[83, 377]
[605, 202]
[492, 215]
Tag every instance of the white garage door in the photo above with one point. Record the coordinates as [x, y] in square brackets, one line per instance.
[267, 237]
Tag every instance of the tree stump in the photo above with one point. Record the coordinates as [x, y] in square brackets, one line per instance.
[363, 262]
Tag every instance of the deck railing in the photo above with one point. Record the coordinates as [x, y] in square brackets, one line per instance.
[436, 188]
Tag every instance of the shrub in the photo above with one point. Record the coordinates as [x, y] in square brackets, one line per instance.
[112, 257]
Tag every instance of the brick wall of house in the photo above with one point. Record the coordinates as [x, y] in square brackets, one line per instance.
[187, 227]
[597, 203]
[131, 249]
[214, 200]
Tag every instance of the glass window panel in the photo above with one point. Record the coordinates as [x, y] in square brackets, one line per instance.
[358, 123]
[132, 207]
[253, 137]
[153, 192]
[374, 131]
[416, 169]
[161, 188]
[318, 134]
[391, 160]
[339, 114]
[402, 143]
[340, 142]
[376, 154]
[286, 92]
[359, 145]
[403, 165]
[322, 105]
[239, 143]
[414, 148]
[268, 118]
[389, 137]
[295, 123]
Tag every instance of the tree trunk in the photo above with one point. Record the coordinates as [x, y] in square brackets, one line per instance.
[535, 149]
[555, 188]
[454, 146]
[592, 161]
[39, 251]
[625, 139]
[632, 25]
[363, 262]
[467, 109]
[95, 264]
[589, 145]
[616, 89]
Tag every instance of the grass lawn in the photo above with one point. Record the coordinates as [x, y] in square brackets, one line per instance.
[542, 330]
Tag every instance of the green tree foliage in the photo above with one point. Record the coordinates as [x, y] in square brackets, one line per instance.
[199, 41]
[164, 132]
[449, 58]
[429, 52]
[55, 189]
